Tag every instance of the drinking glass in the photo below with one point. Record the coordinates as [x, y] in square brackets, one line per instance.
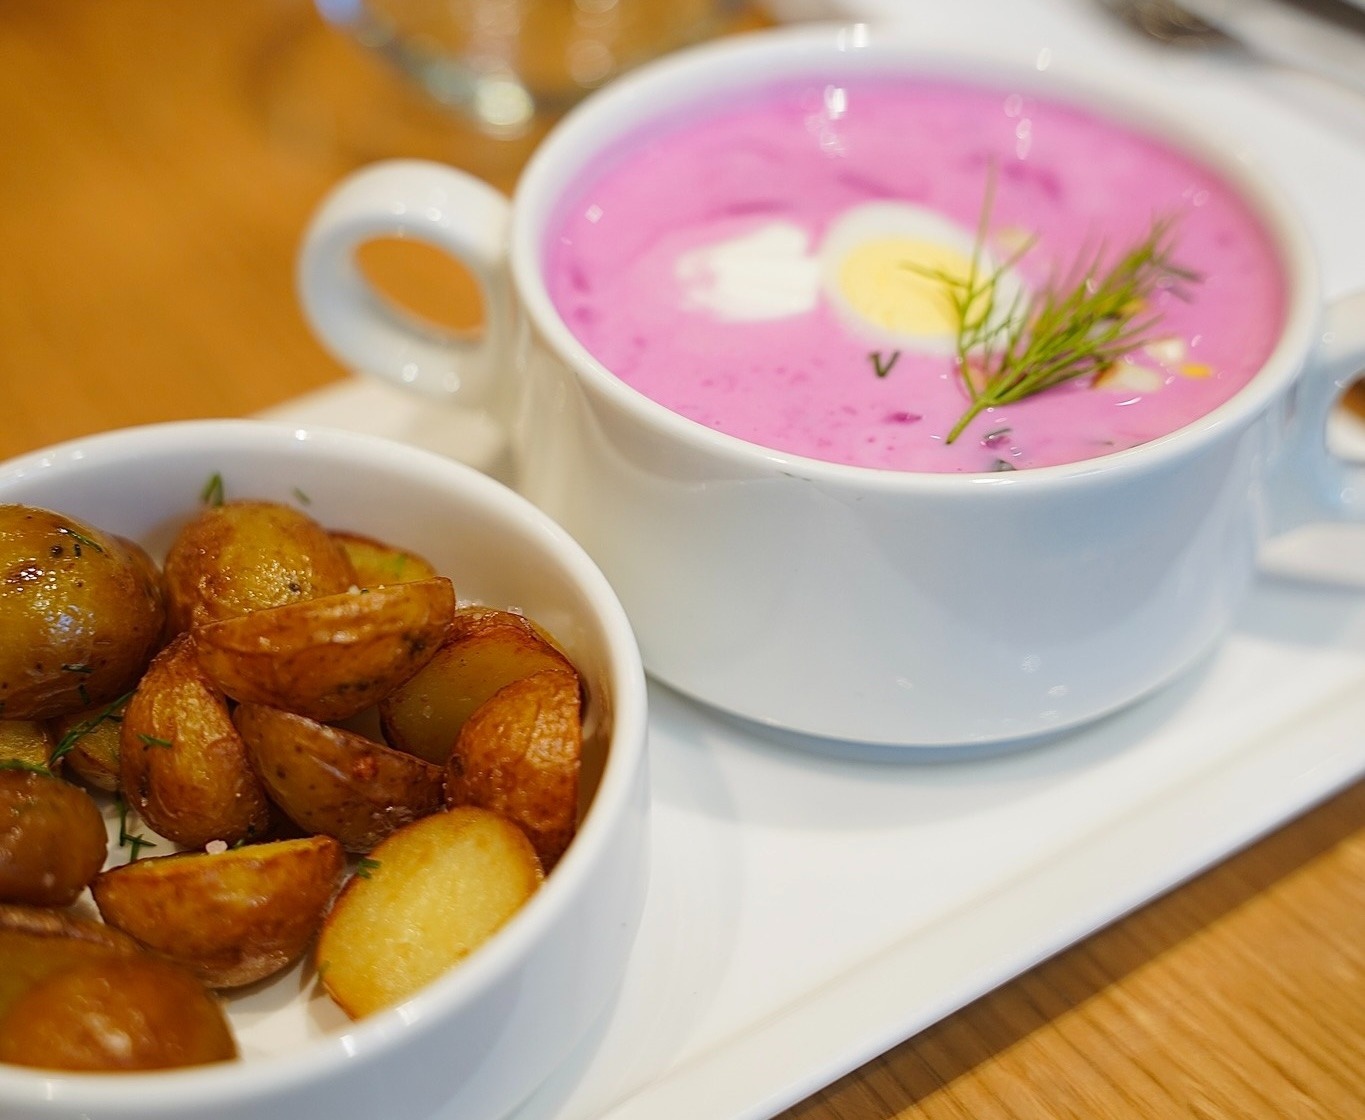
[503, 62]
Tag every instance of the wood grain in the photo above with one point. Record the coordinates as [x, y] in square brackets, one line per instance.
[160, 162]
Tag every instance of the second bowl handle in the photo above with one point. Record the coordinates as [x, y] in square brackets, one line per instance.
[369, 334]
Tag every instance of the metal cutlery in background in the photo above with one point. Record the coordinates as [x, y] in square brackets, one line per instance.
[1321, 37]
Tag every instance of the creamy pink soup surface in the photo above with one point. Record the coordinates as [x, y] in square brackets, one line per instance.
[798, 376]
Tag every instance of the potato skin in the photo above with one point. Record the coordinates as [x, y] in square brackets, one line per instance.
[483, 650]
[519, 754]
[249, 555]
[434, 892]
[128, 1013]
[90, 741]
[229, 918]
[37, 941]
[52, 839]
[26, 742]
[332, 657]
[378, 563]
[80, 615]
[335, 782]
[182, 764]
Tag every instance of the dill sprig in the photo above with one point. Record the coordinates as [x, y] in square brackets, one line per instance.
[133, 841]
[1076, 326]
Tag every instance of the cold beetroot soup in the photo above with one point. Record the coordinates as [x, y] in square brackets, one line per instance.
[804, 268]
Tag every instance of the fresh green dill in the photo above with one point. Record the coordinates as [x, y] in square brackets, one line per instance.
[303, 499]
[212, 494]
[365, 866]
[882, 366]
[153, 741]
[22, 764]
[68, 741]
[1077, 325]
[134, 842]
[80, 539]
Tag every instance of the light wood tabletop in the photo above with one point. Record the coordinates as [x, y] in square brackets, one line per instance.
[160, 161]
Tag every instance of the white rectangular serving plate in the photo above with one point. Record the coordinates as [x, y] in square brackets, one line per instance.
[808, 911]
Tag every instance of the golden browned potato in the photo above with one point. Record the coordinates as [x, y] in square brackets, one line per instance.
[377, 562]
[335, 782]
[88, 744]
[35, 942]
[484, 650]
[52, 839]
[519, 754]
[430, 895]
[26, 742]
[230, 918]
[182, 764]
[331, 657]
[126, 1013]
[249, 555]
[80, 616]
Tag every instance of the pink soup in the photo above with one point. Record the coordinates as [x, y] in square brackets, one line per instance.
[744, 264]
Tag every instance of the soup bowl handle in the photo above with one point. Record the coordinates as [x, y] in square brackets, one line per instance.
[427, 202]
[1314, 483]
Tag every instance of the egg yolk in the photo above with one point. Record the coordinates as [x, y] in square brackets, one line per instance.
[903, 285]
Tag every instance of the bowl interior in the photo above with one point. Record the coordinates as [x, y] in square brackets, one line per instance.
[497, 549]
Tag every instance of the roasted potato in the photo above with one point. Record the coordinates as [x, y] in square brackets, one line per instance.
[35, 942]
[248, 555]
[88, 742]
[52, 839]
[26, 742]
[519, 754]
[80, 616]
[483, 650]
[335, 782]
[430, 895]
[332, 657]
[122, 1013]
[229, 918]
[378, 563]
[182, 764]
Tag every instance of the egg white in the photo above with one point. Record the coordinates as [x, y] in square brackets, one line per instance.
[767, 273]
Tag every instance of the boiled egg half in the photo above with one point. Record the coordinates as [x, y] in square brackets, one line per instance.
[887, 268]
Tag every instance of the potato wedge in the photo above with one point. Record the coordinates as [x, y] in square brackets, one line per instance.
[484, 650]
[88, 744]
[80, 616]
[35, 942]
[332, 657]
[230, 918]
[182, 764]
[433, 892]
[335, 782]
[245, 556]
[519, 754]
[123, 1013]
[26, 742]
[52, 839]
[378, 563]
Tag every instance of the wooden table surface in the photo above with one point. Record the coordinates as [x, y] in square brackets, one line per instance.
[159, 162]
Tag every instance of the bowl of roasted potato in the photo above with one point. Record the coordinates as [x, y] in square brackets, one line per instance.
[322, 781]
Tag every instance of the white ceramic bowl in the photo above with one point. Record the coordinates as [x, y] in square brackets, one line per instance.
[479, 1040]
[903, 610]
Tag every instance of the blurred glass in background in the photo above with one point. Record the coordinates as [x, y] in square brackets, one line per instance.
[503, 62]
